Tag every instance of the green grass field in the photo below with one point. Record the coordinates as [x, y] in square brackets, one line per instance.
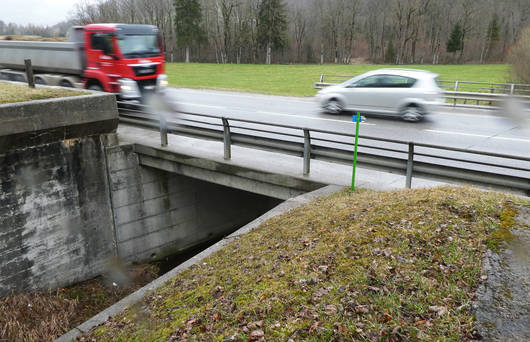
[297, 80]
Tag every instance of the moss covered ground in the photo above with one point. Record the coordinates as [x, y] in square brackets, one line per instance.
[10, 93]
[363, 266]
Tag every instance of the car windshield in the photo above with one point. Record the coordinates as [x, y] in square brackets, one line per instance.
[137, 46]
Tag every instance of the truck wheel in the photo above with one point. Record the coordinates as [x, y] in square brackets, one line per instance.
[95, 87]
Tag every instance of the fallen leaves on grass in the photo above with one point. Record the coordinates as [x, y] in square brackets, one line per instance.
[357, 265]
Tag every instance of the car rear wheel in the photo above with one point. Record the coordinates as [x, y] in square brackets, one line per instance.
[412, 113]
[334, 106]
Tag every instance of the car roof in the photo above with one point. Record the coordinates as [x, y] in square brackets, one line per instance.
[415, 73]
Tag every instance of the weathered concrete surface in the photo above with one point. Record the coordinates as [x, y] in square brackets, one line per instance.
[158, 213]
[55, 215]
[502, 309]
[138, 295]
[55, 211]
[26, 124]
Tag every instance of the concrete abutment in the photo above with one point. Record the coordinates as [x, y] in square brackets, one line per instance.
[72, 197]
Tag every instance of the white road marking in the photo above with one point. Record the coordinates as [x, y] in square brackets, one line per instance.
[486, 116]
[199, 105]
[477, 135]
[251, 96]
[312, 118]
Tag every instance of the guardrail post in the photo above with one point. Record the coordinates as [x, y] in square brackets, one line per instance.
[29, 73]
[410, 165]
[163, 130]
[226, 139]
[456, 89]
[512, 88]
[307, 151]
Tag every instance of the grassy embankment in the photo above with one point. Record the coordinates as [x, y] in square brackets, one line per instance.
[297, 80]
[362, 265]
[10, 93]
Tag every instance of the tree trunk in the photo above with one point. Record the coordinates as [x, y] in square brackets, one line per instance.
[268, 54]
[321, 53]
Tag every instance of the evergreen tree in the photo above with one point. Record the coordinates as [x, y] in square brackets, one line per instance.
[390, 53]
[492, 36]
[493, 29]
[454, 43]
[188, 19]
[272, 26]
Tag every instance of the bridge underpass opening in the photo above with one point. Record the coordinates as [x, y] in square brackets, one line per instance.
[159, 213]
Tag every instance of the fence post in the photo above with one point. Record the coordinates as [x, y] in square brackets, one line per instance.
[29, 73]
[307, 152]
[227, 139]
[410, 165]
[456, 89]
[163, 130]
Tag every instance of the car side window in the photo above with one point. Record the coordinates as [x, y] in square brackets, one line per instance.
[393, 81]
[368, 82]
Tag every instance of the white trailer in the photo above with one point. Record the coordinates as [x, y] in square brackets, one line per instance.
[54, 63]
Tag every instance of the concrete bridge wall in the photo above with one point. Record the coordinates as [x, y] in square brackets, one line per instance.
[55, 212]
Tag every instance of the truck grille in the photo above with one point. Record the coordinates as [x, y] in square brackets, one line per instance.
[145, 70]
[147, 86]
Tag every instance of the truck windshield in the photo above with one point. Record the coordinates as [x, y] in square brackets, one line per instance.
[137, 46]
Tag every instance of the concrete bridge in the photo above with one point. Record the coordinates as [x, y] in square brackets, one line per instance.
[77, 190]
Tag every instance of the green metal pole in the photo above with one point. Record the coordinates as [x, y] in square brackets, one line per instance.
[355, 151]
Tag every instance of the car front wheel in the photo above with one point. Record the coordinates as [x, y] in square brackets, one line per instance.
[412, 113]
[333, 106]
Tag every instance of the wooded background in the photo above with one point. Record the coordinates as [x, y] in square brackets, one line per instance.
[317, 31]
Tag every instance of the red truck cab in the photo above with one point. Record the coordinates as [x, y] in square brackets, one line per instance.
[123, 59]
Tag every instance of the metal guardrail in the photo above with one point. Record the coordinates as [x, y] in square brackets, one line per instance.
[403, 157]
[460, 92]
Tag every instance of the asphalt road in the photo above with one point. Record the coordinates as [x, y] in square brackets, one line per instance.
[469, 129]
[478, 129]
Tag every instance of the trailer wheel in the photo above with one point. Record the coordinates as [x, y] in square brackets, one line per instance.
[40, 80]
[66, 84]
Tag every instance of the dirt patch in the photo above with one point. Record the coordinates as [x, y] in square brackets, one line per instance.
[44, 316]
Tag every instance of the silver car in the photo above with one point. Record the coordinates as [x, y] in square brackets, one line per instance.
[410, 94]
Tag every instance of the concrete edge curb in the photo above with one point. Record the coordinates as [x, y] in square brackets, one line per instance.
[139, 294]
